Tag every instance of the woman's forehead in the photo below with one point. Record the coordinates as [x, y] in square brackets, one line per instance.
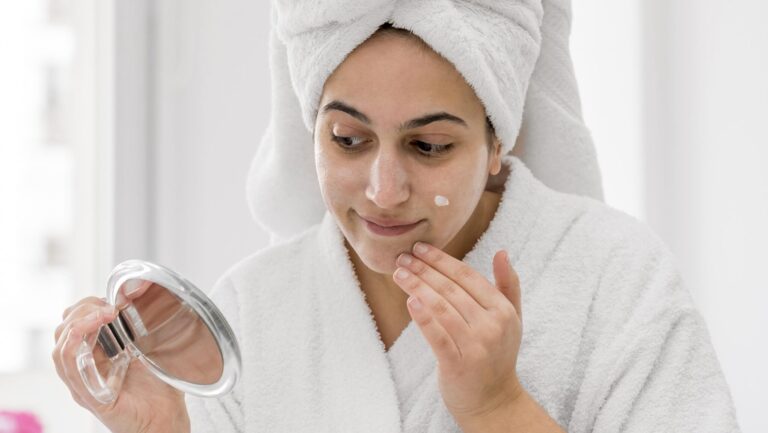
[389, 75]
[385, 62]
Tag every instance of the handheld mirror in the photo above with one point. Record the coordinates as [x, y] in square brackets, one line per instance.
[170, 325]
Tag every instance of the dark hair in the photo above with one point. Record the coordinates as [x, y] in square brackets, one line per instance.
[490, 132]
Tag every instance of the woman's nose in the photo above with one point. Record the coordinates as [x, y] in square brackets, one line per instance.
[388, 185]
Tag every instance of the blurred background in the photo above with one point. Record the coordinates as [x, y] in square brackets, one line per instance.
[127, 128]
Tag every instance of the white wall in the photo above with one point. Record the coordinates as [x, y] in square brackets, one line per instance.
[210, 107]
[609, 73]
[706, 106]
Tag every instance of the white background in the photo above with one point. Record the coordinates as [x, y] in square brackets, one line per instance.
[673, 92]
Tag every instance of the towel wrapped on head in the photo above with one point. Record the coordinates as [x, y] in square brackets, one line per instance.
[499, 47]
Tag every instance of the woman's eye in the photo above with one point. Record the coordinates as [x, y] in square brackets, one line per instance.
[425, 149]
[429, 149]
[347, 142]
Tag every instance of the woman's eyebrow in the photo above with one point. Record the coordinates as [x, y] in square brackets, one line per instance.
[411, 124]
[340, 106]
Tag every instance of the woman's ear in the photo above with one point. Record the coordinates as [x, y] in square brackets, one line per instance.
[495, 165]
[498, 172]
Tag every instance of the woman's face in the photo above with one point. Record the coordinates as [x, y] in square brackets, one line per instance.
[397, 127]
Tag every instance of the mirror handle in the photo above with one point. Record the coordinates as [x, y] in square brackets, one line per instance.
[104, 390]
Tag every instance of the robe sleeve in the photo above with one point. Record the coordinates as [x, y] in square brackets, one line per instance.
[653, 367]
[222, 414]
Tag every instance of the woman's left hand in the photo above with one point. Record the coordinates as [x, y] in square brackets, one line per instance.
[473, 326]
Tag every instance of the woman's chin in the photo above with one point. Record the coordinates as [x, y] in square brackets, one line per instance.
[381, 264]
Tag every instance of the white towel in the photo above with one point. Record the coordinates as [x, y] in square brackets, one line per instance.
[611, 339]
[498, 46]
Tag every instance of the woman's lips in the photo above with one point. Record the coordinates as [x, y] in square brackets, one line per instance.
[391, 230]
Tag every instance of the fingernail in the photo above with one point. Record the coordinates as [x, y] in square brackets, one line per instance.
[420, 248]
[415, 303]
[401, 274]
[133, 288]
[406, 259]
[108, 310]
[506, 257]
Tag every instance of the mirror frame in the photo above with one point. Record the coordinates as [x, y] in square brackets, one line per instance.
[201, 304]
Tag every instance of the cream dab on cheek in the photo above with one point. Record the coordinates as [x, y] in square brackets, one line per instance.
[441, 201]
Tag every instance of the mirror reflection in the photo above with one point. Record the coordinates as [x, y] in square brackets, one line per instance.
[169, 332]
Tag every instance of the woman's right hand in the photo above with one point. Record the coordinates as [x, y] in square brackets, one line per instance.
[144, 404]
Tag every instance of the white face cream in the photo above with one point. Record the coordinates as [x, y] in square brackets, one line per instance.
[441, 201]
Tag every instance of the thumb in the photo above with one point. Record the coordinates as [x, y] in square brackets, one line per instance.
[507, 280]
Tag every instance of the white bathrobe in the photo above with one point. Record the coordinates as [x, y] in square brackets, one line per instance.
[611, 339]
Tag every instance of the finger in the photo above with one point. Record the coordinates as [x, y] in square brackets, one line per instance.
[63, 332]
[88, 300]
[56, 353]
[106, 314]
[507, 280]
[475, 284]
[96, 318]
[445, 349]
[462, 301]
[137, 289]
[440, 310]
[82, 309]
[132, 290]
[57, 362]
[78, 331]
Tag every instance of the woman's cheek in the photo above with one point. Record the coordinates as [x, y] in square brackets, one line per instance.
[328, 169]
[458, 203]
[340, 184]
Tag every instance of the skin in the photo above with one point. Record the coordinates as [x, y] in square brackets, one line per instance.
[392, 79]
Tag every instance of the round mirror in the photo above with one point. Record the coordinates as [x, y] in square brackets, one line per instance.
[169, 325]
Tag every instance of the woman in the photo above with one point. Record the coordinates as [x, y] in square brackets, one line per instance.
[401, 310]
